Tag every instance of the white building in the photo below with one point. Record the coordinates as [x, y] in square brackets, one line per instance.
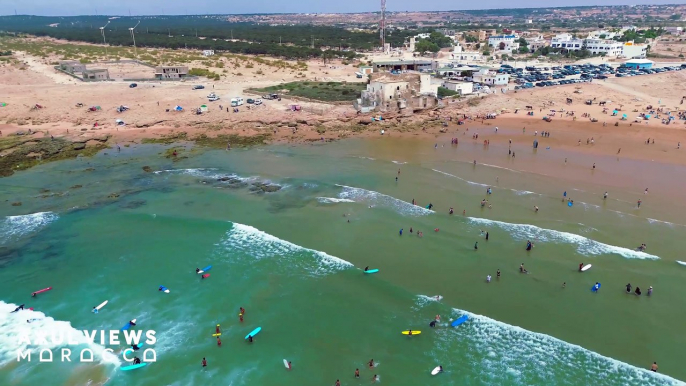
[601, 34]
[536, 42]
[490, 77]
[608, 47]
[674, 30]
[468, 56]
[632, 50]
[567, 42]
[504, 42]
[207, 52]
[463, 88]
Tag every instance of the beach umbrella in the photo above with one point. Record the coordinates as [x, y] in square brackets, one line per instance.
[647, 116]
[623, 115]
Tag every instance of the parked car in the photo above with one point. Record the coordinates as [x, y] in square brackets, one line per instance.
[250, 101]
[213, 98]
[258, 102]
[133, 85]
[198, 87]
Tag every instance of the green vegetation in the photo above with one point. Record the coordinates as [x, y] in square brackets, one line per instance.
[203, 72]
[444, 92]
[640, 36]
[174, 32]
[5, 53]
[433, 43]
[321, 91]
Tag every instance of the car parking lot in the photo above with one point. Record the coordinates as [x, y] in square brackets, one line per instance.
[530, 77]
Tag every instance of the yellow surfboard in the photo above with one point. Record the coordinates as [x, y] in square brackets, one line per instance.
[217, 334]
[413, 332]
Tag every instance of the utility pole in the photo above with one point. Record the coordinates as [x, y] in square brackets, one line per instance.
[382, 25]
[312, 41]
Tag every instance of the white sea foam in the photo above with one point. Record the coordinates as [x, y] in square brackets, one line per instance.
[516, 356]
[378, 199]
[14, 325]
[501, 167]
[399, 162]
[14, 227]
[198, 172]
[332, 200]
[460, 178]
[544, 356]
[584, 245]
[261, 245]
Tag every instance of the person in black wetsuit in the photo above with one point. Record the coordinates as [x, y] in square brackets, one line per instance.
[432, 324]
[136, 361]
[638, 291]
[628, 288]
[21, 307]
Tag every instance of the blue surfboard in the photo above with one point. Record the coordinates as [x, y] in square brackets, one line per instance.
[163, 289]
[569, 203]
[254, 332]
[133, 367]
[593, 288]
[459, 320]
[372, 271]
[205, 269]
[128, 350]
[127, 326]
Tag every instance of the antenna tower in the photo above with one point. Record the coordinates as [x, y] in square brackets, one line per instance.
[382, 24]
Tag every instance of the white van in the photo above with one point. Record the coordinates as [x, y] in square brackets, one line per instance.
[235, 102]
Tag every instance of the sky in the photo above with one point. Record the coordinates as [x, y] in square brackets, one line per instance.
[181, 7]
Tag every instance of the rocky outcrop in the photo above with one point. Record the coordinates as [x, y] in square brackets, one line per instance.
[261, 187]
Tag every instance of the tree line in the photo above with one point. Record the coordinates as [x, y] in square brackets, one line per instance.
[292, 42]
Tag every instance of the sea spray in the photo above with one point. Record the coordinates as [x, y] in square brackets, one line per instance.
[584, 245]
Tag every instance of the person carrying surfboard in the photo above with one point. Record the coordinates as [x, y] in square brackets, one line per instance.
[581, 266]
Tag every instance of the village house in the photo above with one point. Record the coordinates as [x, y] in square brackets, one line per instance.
[397, 92]
[567, 42]
[207, 52]
[462, 88]
[467, 56]
[504, 42]
[536, 42]
[95, 75]
[72, 66]
[171, 72]
[490, 78]
[676, 31]
[601, 46]
[632, 50]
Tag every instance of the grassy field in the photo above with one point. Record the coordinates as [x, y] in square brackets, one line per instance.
[321, 91]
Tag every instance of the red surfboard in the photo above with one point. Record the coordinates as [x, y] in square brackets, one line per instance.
[41, 291]
[205, 275]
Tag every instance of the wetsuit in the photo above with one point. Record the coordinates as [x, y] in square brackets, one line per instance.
[432, 324]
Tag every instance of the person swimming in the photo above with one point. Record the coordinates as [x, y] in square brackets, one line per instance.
[450, 211]
[432, 324]
[21, 307]
[638, 291]
[581, 266]
[476, 245]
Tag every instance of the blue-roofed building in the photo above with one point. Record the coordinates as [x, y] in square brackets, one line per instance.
[638, 63]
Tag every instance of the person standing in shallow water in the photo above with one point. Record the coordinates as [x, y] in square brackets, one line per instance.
[476, 245]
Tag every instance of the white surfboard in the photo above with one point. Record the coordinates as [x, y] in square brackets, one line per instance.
[586, 267]
[436, 370]
[285, 363]
[96, 309]
[681, 262]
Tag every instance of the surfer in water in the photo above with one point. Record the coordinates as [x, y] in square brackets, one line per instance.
[160, 289]
[366, 268]
[371, 363]
[197, 270]
[250, 338]
[357, 373]
[488, 278]
[21, 307]
[497, 274]
[529, 245]
[596, 287]
[653, 367]
[132, 323]
[217, 330]
[476, 245]
[638, 291]
[375, 378]
[338, 383]
[204, 362]
[450, 211]
[581, 266]
[432, 324]
[135, 347]
[628, 288]
[136, 361]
